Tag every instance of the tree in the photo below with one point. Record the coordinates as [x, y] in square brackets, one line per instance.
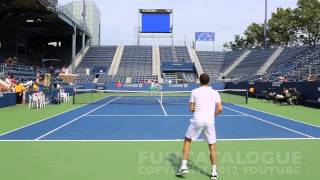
[307, 16]
[254, 35]
[253, 38]
[282, 29]
[287, 27]
[239, 43]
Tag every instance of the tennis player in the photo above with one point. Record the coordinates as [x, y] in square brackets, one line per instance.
[205, 104]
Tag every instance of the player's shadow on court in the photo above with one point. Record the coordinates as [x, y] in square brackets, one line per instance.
[175, 161]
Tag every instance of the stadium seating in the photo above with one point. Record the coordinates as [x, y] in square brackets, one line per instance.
[144, 78]
[136, 60]
[306, 65]
[136, 63]
[286, 56]
[251, 64]
[174, 53]
[84, 78]
[179, 77]
[97, 56]
[214, 63]
[21, 72]
[296, 66]
[103, 78]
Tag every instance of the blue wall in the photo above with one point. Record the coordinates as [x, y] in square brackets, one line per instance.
[177, 67]
[309, 90]
[165, 87]
[7, 99]
[146, 87]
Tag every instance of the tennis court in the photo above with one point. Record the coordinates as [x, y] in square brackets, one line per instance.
[141, 117]
[139, 136]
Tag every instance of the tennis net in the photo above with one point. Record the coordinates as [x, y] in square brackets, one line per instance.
[87, 96]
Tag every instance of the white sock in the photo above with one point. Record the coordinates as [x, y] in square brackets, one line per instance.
[214, 168]
[184, 164]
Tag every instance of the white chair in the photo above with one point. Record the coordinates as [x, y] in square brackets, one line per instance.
[33, 101]
[64, 97]
[42, 100]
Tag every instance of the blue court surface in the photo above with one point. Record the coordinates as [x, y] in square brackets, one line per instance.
[108, 120]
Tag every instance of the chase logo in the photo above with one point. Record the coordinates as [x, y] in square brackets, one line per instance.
[133, 85]
[178, 85]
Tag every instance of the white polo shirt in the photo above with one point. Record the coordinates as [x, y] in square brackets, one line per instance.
[205, 99]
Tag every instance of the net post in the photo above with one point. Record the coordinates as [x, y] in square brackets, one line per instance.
[247, 96]
[92, 96]
[74, 96]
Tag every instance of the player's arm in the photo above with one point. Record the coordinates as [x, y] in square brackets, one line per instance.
[218, 108]
[191, 107]
[218, 105]
[191, 103]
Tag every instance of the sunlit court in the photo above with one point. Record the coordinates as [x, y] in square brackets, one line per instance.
[136, 90]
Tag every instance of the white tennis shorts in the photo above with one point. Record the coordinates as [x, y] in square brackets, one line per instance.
[207, 128]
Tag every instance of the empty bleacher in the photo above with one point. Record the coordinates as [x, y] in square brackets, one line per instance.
[303, 65]
[104, 78]
[286, 57]
[144, 78]
[136, 63]
[251, 64]
[97, 56]
[214, 63]
[174, 53]
[84, 78]
[179, 77]
[21, 72]
[136, 60]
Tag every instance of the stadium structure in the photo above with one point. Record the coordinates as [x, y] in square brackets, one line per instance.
[42, 34]
[71, 108]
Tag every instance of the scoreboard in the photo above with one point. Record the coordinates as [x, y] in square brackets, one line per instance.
[156, 20]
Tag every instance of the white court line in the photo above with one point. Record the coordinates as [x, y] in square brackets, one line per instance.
[268, 122]
[157, 140]
[50, 117]
[164, 111]
[76, 118]
[151, 115]
[279, 116]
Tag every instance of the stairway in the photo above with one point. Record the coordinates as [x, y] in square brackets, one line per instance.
[270, 61]
[156, 62]
[116, 61]
[235, 64]
[194, 58]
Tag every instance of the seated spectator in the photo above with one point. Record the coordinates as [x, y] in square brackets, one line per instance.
[296, 96]
[287, 96]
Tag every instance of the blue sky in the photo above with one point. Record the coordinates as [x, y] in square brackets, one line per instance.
[224, 17]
